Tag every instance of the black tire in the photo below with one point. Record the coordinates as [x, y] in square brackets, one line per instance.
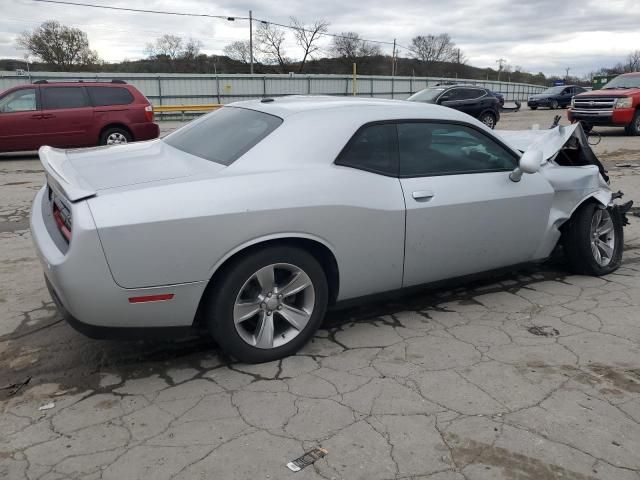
[533, 108]
[577, 241]
[115, 132]
[489, 119]
[553, 105]
[633, 129]
[586, 127]
[219, 304]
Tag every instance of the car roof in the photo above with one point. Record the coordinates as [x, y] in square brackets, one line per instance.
[379, 108]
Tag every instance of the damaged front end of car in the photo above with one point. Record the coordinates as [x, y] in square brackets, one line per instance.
[586, 177]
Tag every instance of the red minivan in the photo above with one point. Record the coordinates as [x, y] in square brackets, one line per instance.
[74, 114]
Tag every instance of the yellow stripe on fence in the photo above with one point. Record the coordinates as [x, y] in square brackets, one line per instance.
[186, 108]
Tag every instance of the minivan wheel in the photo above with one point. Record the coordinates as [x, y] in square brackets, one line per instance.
[489, 119]
[593, 240]
[115, 136]
[553, 105]
[268, 304]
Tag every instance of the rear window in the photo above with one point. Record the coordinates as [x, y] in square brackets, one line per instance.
[54, 98]
[102, 96]
[224, 135]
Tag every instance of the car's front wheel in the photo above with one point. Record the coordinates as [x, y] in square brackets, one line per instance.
[553, 105]
[267, 304]
[593, 240]
[533, 108]
[633, 128]
[489, 119]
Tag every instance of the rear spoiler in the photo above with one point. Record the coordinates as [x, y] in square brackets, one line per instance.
[62, 175]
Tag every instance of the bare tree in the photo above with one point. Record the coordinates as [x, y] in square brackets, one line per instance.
[58, 45]
[269, 42]
[434, 48]
[170, 46]
[633, 62]
[350, 46]
[239, 51]
[307, 37]
[191, 49]
[458, 57]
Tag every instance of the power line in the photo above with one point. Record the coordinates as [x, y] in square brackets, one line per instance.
[230, 18]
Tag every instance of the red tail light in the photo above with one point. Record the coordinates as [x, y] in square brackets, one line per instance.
[148, 113]
[60, 221]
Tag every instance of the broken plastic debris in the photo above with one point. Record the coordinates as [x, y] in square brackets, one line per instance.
[47, 406]
[307, 459]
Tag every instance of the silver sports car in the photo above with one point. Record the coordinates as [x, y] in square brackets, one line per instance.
[250, 221]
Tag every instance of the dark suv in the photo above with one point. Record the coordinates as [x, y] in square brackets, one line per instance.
[74, 114]
[478, 102]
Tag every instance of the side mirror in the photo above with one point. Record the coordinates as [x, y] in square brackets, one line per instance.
[529, 163]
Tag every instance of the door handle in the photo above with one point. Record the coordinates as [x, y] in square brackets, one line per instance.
[422, 195]
[48, 115]
[36, 117]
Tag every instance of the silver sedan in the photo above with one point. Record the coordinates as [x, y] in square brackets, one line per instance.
[251, 221]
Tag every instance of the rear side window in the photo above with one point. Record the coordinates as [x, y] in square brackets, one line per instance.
[224, 135]
[102, 96]
[54, 98]
[372, 148]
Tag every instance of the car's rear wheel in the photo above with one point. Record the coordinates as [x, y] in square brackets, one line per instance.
[268, 304]
[634, 127]
[553, 105]
[115, 136]
[489, 119]
[593, 240]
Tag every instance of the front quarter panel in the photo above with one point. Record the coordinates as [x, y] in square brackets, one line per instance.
[573, 186]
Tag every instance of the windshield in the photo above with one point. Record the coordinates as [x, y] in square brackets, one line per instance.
[623, 81]
[426, 95]
[553, 91]
[224, 135]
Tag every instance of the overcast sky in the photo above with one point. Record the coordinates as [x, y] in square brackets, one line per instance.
[539, 35]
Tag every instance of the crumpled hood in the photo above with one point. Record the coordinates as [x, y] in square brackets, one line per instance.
[132, 164]
[548, 141]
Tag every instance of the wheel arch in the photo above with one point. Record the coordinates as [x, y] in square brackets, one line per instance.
[316, 246]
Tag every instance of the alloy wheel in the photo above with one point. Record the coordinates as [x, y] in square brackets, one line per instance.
[489, 121]
[116, 138]
[274, 305]
[602, 237]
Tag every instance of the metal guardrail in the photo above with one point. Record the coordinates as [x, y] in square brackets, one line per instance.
[182, 109]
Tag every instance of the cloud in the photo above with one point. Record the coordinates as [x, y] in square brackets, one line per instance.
[539, 35]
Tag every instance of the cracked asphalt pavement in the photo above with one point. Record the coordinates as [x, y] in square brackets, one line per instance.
[532, 375]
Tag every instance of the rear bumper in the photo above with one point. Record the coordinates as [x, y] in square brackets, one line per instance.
[145, 131]
[617, 117]
[84, 290]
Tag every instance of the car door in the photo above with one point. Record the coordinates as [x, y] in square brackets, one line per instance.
[21, 126]
[67, 116]
[565, 96]
[367, 184]
[464, 214]
[452, 98]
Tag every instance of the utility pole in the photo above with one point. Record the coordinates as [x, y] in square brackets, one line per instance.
[251, 42]
[393, 59]
[567, 75]
[500, 62]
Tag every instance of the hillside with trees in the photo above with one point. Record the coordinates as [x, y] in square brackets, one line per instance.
[55, 47]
